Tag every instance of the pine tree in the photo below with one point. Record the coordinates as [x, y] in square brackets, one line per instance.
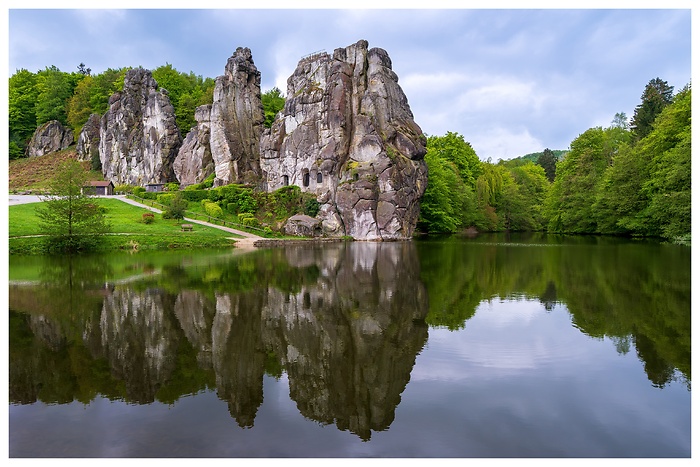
[657, 95]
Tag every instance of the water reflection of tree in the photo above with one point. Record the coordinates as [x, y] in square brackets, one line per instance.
[345, 322]
[631, 293]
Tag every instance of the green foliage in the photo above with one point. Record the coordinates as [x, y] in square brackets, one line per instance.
[213, 209]
[206, 183]
[646, 191]
[165, 198]
[548, 161]
[248, 219]
[69, 216]
[657, 95]
[441, 206]
[54, 89]
[453, 148]
[287, 201]
[311, 207]
[569, 207]
[22, 111]
[147, 218]
[186, 92]
[448, 203]
[273, 102]
[194, 195]
[176, 207]
[668, 147]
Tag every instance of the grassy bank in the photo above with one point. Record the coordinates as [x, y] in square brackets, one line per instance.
[128, 231]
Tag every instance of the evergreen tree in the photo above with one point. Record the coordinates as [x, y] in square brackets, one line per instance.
[548, 162]
[69, 216]
[657, 95]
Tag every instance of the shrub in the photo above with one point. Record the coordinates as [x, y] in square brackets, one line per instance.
[248, 219]
[165, 198]
[124, 189]
[213, 209]
[148, 218]
[311, 207]
[194, 195]
[172, 187]
[246, 203]
[176, 208]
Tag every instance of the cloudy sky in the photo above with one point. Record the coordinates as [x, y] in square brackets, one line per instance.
[511, 81]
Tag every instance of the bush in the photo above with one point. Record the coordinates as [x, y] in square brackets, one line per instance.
[311, 207]
[172, 187]
[246, 203]
[176, 208]
[194, 195]
[148, 218]
[248, 219]
[207, 183]
[165, 198]
[124, 189]
[213, 209]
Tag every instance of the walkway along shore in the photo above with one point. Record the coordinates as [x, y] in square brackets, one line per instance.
[247, 240]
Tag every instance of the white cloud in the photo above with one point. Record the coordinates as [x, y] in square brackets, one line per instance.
[503, 143]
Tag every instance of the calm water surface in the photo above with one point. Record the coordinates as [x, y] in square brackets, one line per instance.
[497, 346]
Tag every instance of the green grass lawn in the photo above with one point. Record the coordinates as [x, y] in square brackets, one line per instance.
[127, 230]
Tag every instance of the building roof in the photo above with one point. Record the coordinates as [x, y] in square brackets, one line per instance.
[99, 183]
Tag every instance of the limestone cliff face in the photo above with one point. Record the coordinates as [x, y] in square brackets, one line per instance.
[347, 134]
[139, 138]
[49, 137]
[227, 134]
[88, 145]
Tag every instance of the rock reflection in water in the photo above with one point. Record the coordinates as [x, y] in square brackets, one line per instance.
[349, 341]
[344, 321]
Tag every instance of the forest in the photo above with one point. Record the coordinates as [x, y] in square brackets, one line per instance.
[631, 178]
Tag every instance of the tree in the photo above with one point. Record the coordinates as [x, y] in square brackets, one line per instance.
[669, 148]
[273, 103]
[82, 70]
[79, 109]
[548, 161]
[453, 148]
[449, 202]
[70, 217]
[569, 205]
[55, 88]
[176, 208]
[657, 95]
[22, 111]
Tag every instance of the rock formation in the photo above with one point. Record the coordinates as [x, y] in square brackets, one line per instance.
[229, 130]
[347, 135]
[49, 137]
[139, 138]
[194, 161]
[302, 225]
[88, 146]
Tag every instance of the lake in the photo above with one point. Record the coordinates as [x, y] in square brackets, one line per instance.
[501, 346]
